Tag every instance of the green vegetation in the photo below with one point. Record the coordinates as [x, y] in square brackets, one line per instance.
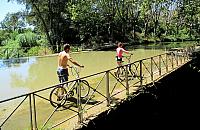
[91, 23]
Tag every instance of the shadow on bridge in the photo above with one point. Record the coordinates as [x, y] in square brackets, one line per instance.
[72, 102]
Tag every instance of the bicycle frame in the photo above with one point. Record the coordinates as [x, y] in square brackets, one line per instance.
[68, 90]
[121, 70]
[73, 84]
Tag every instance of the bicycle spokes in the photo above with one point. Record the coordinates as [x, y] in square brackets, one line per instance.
[58, 96]
[85, 88]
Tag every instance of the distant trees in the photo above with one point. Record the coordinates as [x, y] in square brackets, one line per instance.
[93, 22]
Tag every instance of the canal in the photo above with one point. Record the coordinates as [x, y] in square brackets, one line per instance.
[19, 76]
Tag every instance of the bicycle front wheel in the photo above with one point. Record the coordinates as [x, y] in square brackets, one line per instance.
[121, 73]
[85, 88]
[58, 96]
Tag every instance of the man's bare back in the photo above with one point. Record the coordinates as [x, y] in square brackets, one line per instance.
[63, 58]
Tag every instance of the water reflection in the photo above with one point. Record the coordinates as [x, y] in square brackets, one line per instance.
[12, 74]
[12, 62]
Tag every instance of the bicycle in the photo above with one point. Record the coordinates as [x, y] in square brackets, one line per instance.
[121, 71]
[60, 94]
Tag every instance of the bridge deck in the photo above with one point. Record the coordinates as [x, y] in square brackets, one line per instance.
[122, 95]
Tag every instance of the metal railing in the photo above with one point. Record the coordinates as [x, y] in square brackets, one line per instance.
[107, 89]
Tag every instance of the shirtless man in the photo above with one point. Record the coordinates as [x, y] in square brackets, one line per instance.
[63, 59]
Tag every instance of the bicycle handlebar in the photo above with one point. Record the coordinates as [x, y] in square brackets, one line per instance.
[128, 57]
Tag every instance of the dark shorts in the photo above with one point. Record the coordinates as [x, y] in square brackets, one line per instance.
[62, 74]
[118, 59]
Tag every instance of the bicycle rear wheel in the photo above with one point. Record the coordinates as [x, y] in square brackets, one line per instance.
[133, 74]
[58, 96]
[85, 88]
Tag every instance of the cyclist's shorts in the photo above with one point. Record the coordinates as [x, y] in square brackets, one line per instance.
[62, 74]
[118, 58]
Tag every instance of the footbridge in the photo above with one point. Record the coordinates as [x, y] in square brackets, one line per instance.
[34, 110]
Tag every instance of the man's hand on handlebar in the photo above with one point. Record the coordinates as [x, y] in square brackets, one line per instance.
[82, 66]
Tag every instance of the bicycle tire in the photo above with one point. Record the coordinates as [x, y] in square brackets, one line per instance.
[122, 74]
[56, 101]
[85, 88]
[133, 74]
[130, 72]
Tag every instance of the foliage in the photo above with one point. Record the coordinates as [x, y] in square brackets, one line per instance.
[39, 51]
[92, 23]
[168, 38]
[28, 39]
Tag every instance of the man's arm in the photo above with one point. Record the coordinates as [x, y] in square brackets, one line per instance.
[75, 63]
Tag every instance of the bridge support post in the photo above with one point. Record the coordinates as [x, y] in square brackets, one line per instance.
[31, 115]
[166, 63]
[177, 59]
[34, 112]
[80, 111]
[141, 77]
[126, 79]
[107, 88]
[151, 68]
[160, 65]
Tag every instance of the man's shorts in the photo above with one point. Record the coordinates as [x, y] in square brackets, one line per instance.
[62, 74]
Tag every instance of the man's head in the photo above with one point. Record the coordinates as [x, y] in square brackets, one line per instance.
[66, 47]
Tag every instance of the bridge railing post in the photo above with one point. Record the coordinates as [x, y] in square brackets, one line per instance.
[159, 65]
[80, 111]
[107, 88]
[166, 62]
[31, 115]
[141, 77]
[185, 55]
[34, 112]
[126, 79]
[177, 58]
[181, 58]
[151, 68]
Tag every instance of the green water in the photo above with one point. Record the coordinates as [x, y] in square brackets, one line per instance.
[40, 72]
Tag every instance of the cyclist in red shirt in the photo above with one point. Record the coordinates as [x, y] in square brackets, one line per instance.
[120, 51]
